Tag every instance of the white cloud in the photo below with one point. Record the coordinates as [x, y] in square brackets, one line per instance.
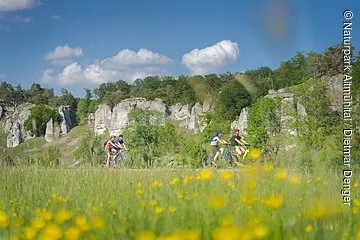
[63, 55]
[14, 5]
[211, 59]
[127, 65]
[19, 18]
[56, 17]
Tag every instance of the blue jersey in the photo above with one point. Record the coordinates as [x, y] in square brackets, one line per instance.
[119, 141]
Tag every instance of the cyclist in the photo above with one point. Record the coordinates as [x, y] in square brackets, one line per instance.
[215, 148]
[238, 142]
[121, 146]
[109, 145]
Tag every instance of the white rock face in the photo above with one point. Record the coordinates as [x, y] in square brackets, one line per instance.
[15, 127]
[49, 134]
[180, 113]
[115, 120]
[242, 122]
[67, 119]
[190, 120]
[102, 119]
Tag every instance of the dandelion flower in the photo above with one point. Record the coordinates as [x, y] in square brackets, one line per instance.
[275, 201]
[4, 220]
[146, 235]
[216, 202]
[227, 175]
[261, 231]
[308, 228]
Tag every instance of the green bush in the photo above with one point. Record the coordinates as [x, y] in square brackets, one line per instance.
[39, 117]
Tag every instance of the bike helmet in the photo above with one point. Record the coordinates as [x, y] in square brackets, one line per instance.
[218, 132]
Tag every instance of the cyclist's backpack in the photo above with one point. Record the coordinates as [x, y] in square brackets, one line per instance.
[211, 138]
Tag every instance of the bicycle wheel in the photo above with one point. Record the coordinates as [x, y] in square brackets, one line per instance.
[205, 160]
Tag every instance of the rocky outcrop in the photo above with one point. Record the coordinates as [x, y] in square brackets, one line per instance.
[286, 111]
[241, 123]
[15, 128]
[67, 119]
[49, 133]
[102, 119]
[115, 119]
[190, 119]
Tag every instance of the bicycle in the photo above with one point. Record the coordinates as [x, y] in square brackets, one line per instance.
[120, 158]
[228, 158]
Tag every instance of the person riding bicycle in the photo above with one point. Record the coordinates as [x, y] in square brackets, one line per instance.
[237, 142]
[215, 148]
[109, 146]
[121, 146]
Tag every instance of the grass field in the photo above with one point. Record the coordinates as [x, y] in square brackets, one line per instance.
[258, 202]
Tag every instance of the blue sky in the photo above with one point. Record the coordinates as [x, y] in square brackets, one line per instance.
[77, 44]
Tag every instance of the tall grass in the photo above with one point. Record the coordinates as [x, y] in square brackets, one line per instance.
[256, 202]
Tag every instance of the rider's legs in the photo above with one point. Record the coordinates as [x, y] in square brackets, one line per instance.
[217, 150]
[238, 150]
[108, 152]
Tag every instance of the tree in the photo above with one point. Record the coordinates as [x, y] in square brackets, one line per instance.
[39, 117]
[232, 98]
[144, 133]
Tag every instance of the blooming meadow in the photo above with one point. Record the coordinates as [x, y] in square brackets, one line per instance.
[260, 201]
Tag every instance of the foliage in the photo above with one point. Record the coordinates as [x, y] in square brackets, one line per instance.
[50, 158]
[39, 117]
[232, 98]
[90, 150]
[262, 122]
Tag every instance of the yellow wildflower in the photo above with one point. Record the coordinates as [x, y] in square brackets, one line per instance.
[172, 209]
[216, 202]
[357, 202]
[275, 201]
[355, 211]
[356, 184]
[261, 231]
[51, 231]
[248, 198]
[308, 228]
[268, 167]
[227, 175]
[281, 174]
[43, 213]
[255, 154]
[4, 220]
[205, 174]
[72, 233]
[158, 210]
[146, 235]
[30, 233]
[140, 185]
[81, 222]
[97, 222]
[152, 203]
[156, 184]
[185, 234]
[250, 184]
[62, 216]
[139, 191]
[228, 233]
[294, 179]
[174, 181]
[38, 223]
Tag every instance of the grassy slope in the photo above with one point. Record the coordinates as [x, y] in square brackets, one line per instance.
[38, 146]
